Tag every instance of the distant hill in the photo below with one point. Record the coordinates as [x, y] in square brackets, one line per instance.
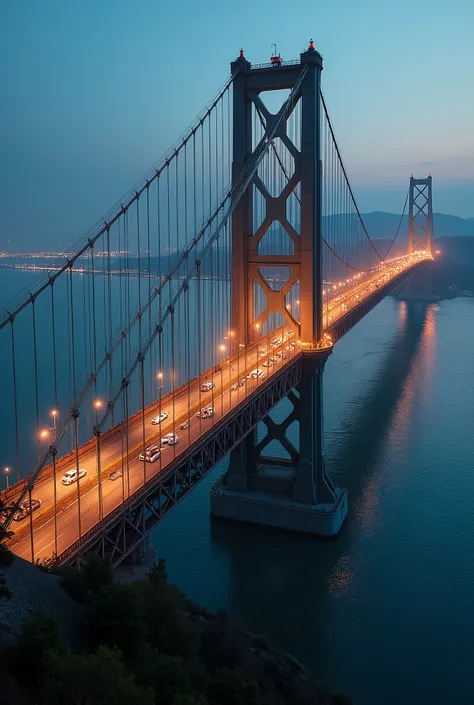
[384, 225]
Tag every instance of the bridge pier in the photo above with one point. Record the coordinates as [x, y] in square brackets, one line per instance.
[293, 493]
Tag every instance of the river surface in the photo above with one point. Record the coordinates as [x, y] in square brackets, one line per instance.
[385, 610]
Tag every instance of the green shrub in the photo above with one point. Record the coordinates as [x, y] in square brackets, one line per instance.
[196, 698]
[158, 572]
[6, 556]
[91, 679]
[171, 677]
[82, 584]
[231, 687]
[115, 618]
[28, 656]
[169, 628]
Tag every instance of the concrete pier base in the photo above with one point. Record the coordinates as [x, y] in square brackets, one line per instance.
[274, 509]
[293, 493]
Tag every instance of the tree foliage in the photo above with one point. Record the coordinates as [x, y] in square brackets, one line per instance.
[158, 573]
[150, 644]
[169, 629]
[85, 583]
[92, 679]
[28, 656]
[115, 618]
[230, 687]
[6, 556]
[171, 677]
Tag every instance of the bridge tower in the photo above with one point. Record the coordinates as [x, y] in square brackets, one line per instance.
[292, 492]
[420, 215]
[419, 287]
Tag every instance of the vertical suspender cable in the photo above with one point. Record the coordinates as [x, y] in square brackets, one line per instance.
[76, 415]
[15, 402]
[149, 284]
[55, 381]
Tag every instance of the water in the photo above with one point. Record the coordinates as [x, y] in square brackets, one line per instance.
[383, 611]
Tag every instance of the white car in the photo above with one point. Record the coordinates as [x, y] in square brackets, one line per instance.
[242, 381]
[269, 362]
[205, 413]
[263, 351]
[151, 454]
[256, 373]
[160, 418]
[170, 439]
[184, 425]
[73, 476]
[234, 388]
[275, 341]
[207, 386]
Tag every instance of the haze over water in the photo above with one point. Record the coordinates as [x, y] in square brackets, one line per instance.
[383, 611]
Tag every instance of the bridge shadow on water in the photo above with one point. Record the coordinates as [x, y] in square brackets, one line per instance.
[284, 584]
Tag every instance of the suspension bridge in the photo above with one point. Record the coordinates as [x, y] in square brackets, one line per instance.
[215, 289]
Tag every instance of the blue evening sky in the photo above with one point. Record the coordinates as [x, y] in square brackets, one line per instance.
[93, 91]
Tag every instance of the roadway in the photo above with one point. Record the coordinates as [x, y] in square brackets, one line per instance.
[54, 531]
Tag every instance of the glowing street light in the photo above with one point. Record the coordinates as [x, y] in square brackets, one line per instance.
[6, 471]
[44, 434]
[98, 404]
[55, 414]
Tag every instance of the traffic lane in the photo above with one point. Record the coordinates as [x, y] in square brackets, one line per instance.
[44, 536]
[67, 520]
[110, 449]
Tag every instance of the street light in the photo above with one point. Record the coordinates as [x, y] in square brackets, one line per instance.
[222, 349]
[257, 327]
[7, 470]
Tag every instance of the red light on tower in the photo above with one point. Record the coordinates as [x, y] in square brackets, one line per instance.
[311, 45]
[241, 55]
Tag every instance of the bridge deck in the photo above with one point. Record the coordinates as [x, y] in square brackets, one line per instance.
[341, 311]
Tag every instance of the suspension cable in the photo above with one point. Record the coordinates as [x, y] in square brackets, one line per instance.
[341, 163]
[355, 269]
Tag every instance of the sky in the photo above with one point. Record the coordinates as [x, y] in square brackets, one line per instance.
[93, 92]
